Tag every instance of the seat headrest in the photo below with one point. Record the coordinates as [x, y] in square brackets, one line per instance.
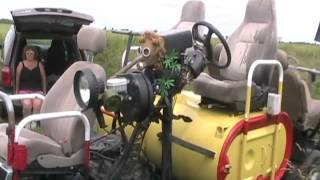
[258, 11]
[97, 41]
[193, 11]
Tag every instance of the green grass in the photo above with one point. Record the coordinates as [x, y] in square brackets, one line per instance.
[3, 30]
[110, 58]
[308, 55]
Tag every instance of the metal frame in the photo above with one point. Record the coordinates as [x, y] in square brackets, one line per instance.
[14, 131]
[247, 112]
[50, 116]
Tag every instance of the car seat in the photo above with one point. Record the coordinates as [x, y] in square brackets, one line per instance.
[297, 101]
[192, 12]
[61, 143]
[255, 38]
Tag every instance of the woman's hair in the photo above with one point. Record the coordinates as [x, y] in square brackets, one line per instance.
[32, 48]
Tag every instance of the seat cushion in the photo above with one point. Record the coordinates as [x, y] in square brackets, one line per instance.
[37, 144]
[223, 91]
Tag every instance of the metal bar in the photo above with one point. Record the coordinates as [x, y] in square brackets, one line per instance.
[123, 63]
[50, 116]
[190, 146]
[247, 110]
[8, 102]
[309, 70]
[26, 96]
[249, 81]
[125, 32]
[126, 57]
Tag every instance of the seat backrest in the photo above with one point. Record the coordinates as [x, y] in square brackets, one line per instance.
[192, 11]
[69, 131]
[255, 38]
[295, 95]
[56, 58]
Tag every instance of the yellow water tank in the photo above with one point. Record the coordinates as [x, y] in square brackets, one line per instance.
[218, 136]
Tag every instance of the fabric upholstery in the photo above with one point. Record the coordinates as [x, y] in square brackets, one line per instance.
[223, 89]
[255, 38]
[192, 11]
[62, 137]
[69, 131]
[97, 41]
[297, 101]
[36, 143]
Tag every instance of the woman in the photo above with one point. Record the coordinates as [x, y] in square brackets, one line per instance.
[30, 78]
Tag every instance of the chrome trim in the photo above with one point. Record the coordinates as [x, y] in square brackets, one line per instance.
[8, 102]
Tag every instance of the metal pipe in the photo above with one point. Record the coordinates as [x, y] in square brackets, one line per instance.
[247, 111]
[15, 97]
[51, 116]
[124, 55]
[128, 66]
[125, 32]
[8, 102]
[249, 81]
[309, 70]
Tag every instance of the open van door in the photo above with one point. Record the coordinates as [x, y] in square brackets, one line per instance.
[55, 20]
[317, 38]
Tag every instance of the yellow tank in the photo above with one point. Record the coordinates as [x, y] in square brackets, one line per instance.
[220, 133]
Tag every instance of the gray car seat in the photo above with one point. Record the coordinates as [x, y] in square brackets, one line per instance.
[61, 143]
[192, 12]
[297, 101]
[255, 38]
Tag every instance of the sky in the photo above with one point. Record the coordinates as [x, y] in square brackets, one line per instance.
[297, 20]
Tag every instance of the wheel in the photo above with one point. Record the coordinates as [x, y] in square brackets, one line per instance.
[199, 36]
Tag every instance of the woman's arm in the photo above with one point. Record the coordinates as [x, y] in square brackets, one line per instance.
[18, 72]
[44, 78]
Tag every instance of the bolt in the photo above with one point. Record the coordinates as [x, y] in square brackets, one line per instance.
[227, 168]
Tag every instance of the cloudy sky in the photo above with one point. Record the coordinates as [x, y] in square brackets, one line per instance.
[297, 20]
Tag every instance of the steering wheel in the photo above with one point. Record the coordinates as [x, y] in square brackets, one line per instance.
[207, 42]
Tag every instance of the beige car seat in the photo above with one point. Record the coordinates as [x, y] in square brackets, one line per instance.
[298, 103]
[61, 144]
[255, 38]
[192, 12]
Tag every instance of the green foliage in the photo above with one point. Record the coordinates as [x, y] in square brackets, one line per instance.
[4, 27]
[165, 85]
[307, 55]
[171, 69]
[110, 58]
[6, 21]
[171, 62]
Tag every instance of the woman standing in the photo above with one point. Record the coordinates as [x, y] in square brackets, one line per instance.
[30, 78]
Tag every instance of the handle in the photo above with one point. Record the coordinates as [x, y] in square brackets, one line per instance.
[249, 82]
[50, 116]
